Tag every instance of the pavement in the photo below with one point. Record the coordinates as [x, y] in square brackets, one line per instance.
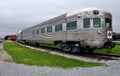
[13, 69]
[4, 56]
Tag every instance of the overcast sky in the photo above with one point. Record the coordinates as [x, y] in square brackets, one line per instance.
[16, 15]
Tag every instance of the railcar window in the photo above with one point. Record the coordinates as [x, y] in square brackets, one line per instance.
[86, 23]
[58, 28]
[37, 31]
[71, 25]
[33, 31]
[49, 29]
[96, 23]
[42, 30]
[108, 23]
[29, 33]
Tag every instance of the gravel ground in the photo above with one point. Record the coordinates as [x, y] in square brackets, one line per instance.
[13, 69]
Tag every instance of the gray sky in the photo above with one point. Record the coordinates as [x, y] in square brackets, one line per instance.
[16, 15]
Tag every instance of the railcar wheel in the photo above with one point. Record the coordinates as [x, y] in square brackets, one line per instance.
[66, 48]
[70, 47]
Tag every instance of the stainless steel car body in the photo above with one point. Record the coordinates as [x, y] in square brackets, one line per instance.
[91, 36]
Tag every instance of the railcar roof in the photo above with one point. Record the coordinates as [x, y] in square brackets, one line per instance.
[69, 14]
[85, 10]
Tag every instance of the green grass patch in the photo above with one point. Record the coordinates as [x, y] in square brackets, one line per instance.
[115, 50]
[24, 55]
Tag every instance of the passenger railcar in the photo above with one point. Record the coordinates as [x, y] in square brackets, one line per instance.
[88, 29]
[10, 37]
[13, 37]
[116, 36]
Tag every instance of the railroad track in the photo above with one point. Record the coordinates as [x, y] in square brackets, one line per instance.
[112, 55]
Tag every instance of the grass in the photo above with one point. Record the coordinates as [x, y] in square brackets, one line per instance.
[115, 50]
[24, 55]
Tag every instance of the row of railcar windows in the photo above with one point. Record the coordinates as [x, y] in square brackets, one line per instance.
[58, 28]
[97, 23]
[69, 26]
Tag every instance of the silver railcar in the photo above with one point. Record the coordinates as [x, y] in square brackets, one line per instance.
[88, 29]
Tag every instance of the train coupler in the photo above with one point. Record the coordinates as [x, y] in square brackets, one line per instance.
[109, 45]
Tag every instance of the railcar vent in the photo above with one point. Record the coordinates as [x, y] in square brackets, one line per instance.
[95, 12]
